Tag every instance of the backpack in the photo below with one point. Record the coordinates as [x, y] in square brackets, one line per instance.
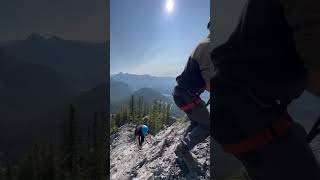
[261, 50]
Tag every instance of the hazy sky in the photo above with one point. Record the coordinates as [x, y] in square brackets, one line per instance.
[71, 19]
[155, 36]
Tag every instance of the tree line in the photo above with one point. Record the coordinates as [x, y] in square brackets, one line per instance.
[75, 158]
[156, 115]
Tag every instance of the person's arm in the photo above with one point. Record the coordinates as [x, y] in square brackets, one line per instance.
[137, 139]
[304, 17]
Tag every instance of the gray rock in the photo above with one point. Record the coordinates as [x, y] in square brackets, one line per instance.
[156, 160]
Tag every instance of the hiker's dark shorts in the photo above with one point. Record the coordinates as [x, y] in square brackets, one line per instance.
[138, 132]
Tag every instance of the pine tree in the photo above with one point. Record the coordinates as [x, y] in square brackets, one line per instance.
[132, 109]
[35, 156]
[139, 111]
[168, 114]
[102, 148]
[51, 162]
[9, 175]
[26, 168]
[160, 106]
[71, 149]
[99, 156]
[117, 120]
[124, 115]
[145, 110]
[2, 172]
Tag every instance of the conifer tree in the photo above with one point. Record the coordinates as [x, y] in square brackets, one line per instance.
[71, 149]
[49, 163]
[167, 114]
[9, 175]
[139, 111]
[131, 111]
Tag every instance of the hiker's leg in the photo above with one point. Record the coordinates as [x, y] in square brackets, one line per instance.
[287, 157]
[196, 136]
[201, 118]
[142, 140]
[191, 126]
[200, 114]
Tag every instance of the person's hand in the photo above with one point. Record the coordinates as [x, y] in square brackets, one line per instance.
[150, 140]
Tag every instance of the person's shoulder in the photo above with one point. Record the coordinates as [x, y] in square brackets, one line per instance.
[145, 126]
[205, 42]
[202, 46]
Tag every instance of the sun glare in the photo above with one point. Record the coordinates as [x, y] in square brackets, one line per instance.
[169, 6]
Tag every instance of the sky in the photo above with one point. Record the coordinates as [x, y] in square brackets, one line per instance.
[86, 20]
[155, 37]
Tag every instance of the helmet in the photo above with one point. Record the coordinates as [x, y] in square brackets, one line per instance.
[145, 130]
[208, 25]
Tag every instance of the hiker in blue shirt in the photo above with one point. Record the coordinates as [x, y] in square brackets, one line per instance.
[142, 132]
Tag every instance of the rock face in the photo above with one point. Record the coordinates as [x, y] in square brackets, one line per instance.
[156, 160]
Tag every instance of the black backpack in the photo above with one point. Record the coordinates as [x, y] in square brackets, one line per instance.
[261, 50]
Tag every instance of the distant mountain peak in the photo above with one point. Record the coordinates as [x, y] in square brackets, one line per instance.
[162, 84]
[35, 37]
[56, 38]
[140, 75]
[39, 37]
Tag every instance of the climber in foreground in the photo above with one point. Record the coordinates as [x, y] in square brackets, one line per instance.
[267, 62]
[193, 81]
[142, 132]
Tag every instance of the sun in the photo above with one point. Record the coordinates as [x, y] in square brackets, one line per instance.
[169, 5]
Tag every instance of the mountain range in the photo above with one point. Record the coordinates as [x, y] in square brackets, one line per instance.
[163, 85]
[39, 78]
[120, 95]
[82, 64]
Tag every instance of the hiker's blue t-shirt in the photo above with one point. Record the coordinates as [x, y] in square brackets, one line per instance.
[145, 130]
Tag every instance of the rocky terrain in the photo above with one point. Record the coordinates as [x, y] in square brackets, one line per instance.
[156, 160]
